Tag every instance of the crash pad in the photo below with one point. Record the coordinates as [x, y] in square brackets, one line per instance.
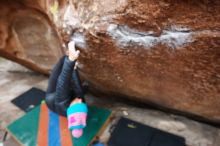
[131, 133]
[43, 127]
[29, 99]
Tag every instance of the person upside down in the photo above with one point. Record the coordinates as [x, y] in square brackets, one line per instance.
[65, 94]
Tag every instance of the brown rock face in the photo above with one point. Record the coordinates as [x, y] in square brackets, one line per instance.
[27, 36]
[163, 52]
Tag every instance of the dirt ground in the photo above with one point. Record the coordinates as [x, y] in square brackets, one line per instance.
[15, 79]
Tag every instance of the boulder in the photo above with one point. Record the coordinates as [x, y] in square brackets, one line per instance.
[161, 52]
[166, 53]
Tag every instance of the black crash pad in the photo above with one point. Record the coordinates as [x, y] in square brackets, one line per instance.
[29, 99]
[131, 133]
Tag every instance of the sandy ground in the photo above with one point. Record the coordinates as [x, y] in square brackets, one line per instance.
[15, 79]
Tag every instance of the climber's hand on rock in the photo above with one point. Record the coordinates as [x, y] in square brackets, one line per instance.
[73, 53]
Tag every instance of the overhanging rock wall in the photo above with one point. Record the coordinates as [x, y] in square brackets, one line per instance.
[164, 52]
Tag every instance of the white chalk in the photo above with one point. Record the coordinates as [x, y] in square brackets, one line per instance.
[126, 36]
[79, 40]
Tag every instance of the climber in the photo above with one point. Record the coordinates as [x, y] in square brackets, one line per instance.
[65, 94]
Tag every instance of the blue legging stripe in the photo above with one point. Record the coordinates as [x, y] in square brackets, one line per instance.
[54, 130]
